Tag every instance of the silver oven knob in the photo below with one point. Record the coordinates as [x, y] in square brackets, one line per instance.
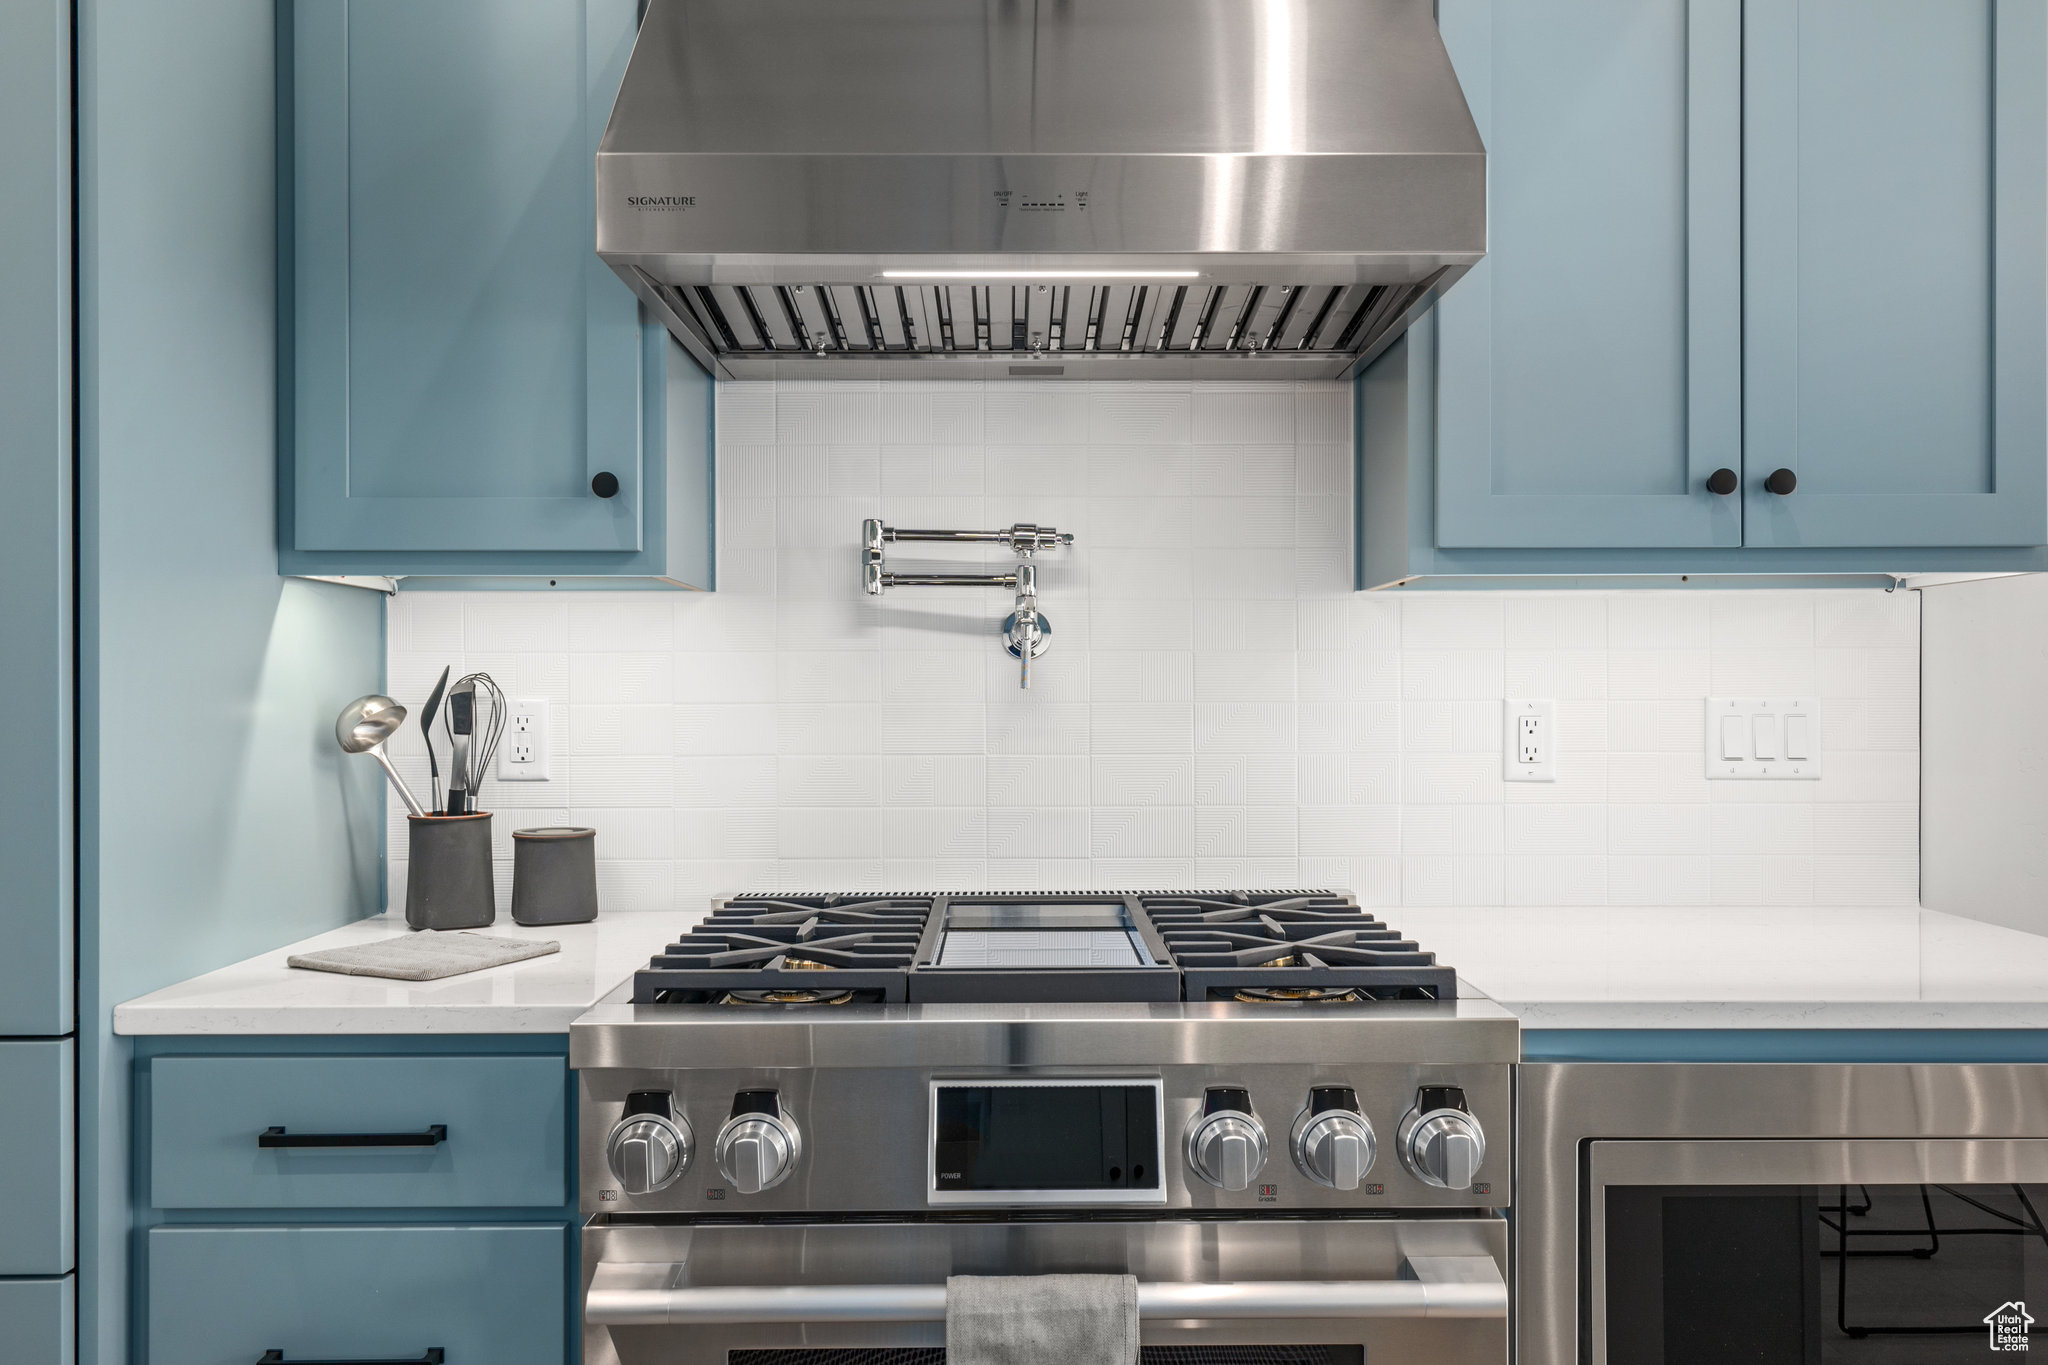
[1441, 1143]
[1333, 1142]
[759, 1145]
[1226, 1147]
[649, 1151]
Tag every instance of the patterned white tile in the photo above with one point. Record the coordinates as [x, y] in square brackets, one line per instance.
[725, 833]
[828, 780]
[1037, 832]
[1038, 780]
[935, 832]
[1139, 415]
[801, 832]
[934, 780]
[1556, 830]
[1142, 832]
[1141, 780]
[1453, 621]
[1877, 674]
[1761, 620]
[726, 729]
[1245, 779]
[1141, 728]
[1240, 413]
[1556, 621]
[594, 730]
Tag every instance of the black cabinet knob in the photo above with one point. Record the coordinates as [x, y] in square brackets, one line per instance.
[1722, 481]
[605, 484]
[1782, 481]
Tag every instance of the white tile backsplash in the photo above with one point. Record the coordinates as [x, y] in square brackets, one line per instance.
[1218, 708]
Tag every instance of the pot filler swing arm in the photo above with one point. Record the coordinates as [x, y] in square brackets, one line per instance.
[1026, 631]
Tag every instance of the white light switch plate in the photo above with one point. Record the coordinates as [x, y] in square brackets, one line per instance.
[523, 749]
[1764, 739]
[1529, 740]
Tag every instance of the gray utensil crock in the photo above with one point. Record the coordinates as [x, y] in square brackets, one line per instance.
[554, 875]
[448, 880]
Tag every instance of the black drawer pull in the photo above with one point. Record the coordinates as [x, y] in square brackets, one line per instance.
[278, 1137]
[434, 1356]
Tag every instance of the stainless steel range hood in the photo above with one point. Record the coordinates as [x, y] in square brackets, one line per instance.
[1089, 188]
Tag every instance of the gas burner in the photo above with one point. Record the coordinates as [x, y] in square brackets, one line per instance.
[787, 996]
[1300, 995]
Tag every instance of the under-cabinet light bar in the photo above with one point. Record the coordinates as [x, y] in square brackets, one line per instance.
[1041, 274]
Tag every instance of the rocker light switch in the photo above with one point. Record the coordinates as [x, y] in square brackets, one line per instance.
[1764, 730]
[1734, 739]
[1798, 737]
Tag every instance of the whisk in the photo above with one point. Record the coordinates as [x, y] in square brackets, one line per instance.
[476, 721]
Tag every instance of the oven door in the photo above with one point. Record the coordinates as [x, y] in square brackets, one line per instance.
[1332, 1291]
[1814, 1252]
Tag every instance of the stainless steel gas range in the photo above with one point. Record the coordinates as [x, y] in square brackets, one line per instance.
[1281, 1117]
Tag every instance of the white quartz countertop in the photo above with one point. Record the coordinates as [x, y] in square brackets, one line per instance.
[540, 995]
[1652, 967]
[1663, 967]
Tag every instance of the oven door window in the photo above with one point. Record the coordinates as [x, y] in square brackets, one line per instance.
[1147, 1355]
[1837, 1274]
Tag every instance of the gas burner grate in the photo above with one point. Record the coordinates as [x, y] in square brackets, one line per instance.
[789, 951]
[1300, 949]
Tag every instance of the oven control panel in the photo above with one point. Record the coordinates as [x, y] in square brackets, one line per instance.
[1275, 1137]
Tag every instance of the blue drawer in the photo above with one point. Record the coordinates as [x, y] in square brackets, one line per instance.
[504, 1119]
[36, 1321]
[484, 1295]
[36, 1163]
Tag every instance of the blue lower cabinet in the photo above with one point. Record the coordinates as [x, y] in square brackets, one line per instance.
[36, 1321]
[358, 1132]
[36, 1162]
[482, 1295]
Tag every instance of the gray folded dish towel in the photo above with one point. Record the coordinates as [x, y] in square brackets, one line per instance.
[1041, 1320]
[424, 957]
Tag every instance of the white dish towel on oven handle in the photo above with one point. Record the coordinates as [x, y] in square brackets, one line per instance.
[1041, 1320]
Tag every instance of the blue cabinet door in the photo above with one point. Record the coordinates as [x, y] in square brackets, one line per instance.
[464, 365]
[36, 1158]
[37, 1320]
[1895, 251]
[35, 517]
[1588, 370]
[227, 1295]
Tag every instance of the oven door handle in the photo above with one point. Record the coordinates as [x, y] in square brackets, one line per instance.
[622, 1295]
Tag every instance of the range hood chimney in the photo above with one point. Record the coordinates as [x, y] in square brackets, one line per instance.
[1248, 189]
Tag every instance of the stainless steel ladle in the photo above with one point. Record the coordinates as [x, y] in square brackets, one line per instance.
[362, 728]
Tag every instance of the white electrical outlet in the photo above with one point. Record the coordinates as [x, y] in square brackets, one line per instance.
[1768, 739]
[1530, 740]
[523, 752]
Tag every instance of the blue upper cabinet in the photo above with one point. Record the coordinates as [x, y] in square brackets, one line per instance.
[1729, 238]
[473, 390]
[1896, 242]
[1589, 369]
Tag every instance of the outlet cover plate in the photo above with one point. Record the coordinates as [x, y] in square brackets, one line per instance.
[1528, 740]
[523, 750]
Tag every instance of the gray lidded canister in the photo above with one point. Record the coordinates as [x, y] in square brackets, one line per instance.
[554, 875]
[448, 878]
